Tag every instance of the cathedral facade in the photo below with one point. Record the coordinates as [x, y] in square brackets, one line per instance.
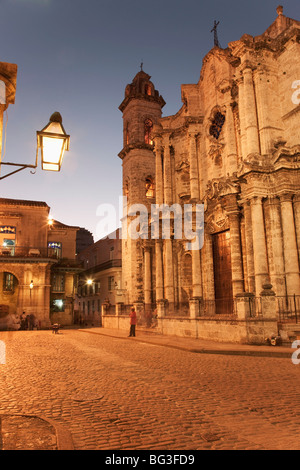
[234, 147]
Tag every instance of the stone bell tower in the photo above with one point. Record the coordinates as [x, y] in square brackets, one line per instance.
[141, 108]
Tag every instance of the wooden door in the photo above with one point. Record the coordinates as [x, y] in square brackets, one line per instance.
[222, 273]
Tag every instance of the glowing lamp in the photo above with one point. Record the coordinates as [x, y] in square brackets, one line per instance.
[31, 285]
[53, 142]
[89, 282]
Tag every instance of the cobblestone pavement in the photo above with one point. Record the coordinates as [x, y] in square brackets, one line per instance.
[120, 394]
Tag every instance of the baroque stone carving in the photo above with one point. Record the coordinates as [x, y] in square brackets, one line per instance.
[222, 187]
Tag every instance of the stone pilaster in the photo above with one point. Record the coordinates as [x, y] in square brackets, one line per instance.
[235, 244]
[147, 274]
[296, 204]
[159, 184]
[259, 245]
[168, 196]
[230, 161]
[159, 270]
[276, 257]
[253, 146]
[194, 175]
[290, 245]
[241, 105]
[263, 106]
[196, 273]
[249, 247]
[169, 271]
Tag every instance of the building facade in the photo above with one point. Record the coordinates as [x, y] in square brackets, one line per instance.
[38, 269]
[100, 282]
[234, 146]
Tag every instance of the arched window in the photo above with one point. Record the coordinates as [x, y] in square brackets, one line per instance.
[148, 126]
[217, 124]
[149, 188]
[126, 189]
[148, 90]
[127, 134]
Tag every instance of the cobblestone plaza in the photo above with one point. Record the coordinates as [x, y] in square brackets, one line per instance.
[126, 394]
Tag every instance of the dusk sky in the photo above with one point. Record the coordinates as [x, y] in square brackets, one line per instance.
[77, 57]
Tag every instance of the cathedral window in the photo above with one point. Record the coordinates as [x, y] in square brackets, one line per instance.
[149, 188]
[148, 126]
[217, 124]
[148, 90]
[127, 135]
[126, 189]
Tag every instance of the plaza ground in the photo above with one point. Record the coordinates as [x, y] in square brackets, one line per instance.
[104, 391]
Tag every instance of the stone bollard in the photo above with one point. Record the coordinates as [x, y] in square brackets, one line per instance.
[195, 306]
[161, 308]
[119, 309]
[243, 305]
[268, 302]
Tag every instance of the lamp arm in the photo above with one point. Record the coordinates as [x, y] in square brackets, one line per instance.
[21, 165]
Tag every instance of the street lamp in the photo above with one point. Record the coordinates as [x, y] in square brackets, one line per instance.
[53, 142]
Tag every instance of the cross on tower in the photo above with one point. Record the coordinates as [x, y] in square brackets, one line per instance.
[216, 41]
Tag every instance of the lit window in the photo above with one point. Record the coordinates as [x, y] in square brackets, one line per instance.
[148, 90]
[58, 305]
[148, 126]
[126, 189]
[54, 250]
[9, 282]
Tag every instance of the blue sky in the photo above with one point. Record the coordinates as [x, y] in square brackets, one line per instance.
[77, 56]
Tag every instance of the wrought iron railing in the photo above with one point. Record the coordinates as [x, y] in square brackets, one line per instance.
[288, 308]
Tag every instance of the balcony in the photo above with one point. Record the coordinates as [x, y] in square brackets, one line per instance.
[26, 253]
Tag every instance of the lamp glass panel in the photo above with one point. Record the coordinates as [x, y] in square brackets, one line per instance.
[53, 150]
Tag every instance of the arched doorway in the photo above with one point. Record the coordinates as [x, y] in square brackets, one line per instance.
[9, 294]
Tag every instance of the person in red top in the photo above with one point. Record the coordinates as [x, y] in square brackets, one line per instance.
[132, 321]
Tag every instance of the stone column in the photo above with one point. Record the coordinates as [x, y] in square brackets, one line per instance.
[296, 204]
[272, 213]
[194, 175]
[147, 275]
[264, 126]
[196, 273]
[249, 247]
[159, 270]
[159, 190]
[235, 244]
[169, 271]
[230, 162]
[290, 246]
[259, 245]
[242, 116]
[250, 112]
[167, 173]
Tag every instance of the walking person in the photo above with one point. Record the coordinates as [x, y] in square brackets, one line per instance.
[132, 321]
